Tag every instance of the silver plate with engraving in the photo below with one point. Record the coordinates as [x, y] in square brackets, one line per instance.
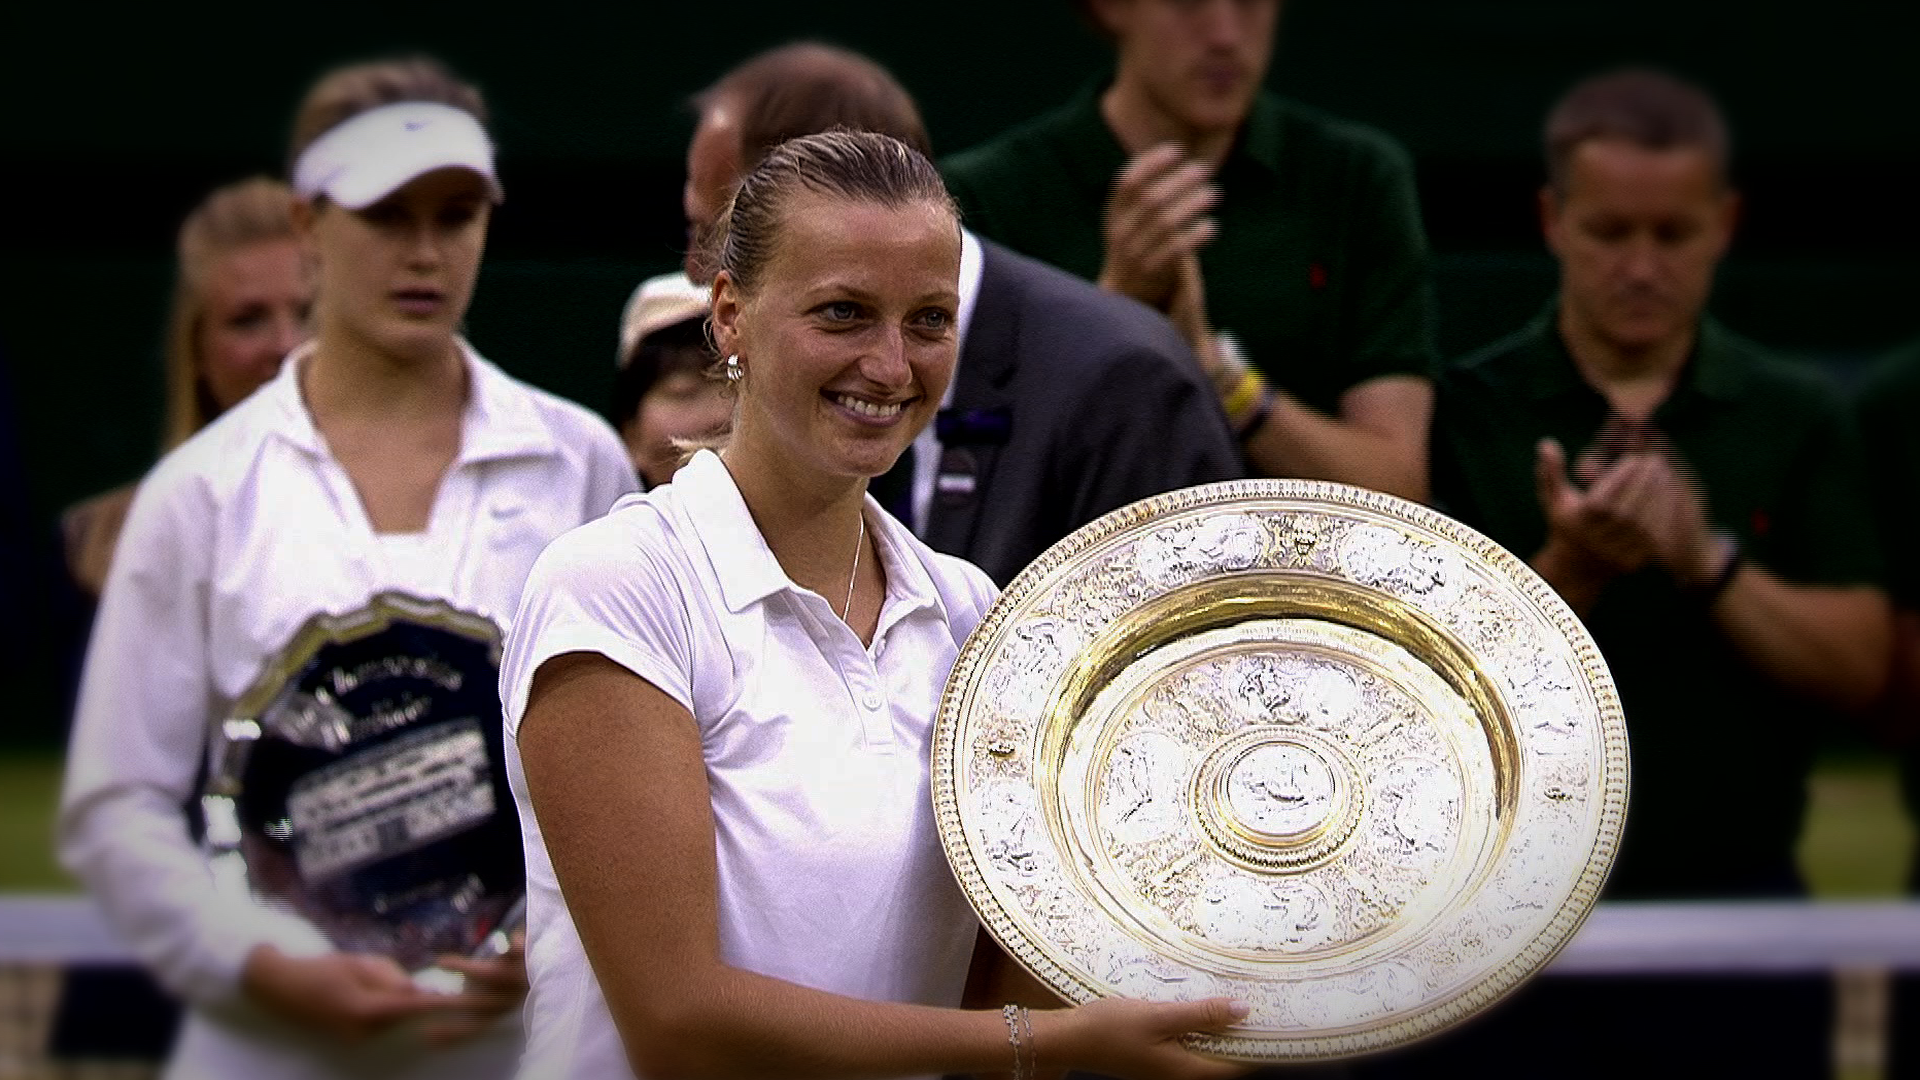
[1304, 745]
[361, 782]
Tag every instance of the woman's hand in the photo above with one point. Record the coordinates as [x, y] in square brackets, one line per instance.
[349, 996]
[1135, 1040]
[493, 987]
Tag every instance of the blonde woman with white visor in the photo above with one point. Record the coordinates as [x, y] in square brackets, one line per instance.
[386, 455]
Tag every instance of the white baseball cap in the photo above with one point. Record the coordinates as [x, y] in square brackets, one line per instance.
[372, 155]
[658, 303]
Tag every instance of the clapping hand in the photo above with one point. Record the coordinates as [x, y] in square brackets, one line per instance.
[1600, 532]
[1156, 218]
[1644, 508]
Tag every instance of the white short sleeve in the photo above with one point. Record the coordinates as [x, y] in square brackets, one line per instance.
[607, 587]
[975, 599]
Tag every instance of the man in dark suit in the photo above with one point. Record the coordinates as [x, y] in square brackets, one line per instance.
[1068, 401]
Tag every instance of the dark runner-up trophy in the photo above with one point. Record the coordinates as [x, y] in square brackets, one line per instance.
[1311, 747]
[361, 782]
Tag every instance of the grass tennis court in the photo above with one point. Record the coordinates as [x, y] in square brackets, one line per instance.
[29, 790]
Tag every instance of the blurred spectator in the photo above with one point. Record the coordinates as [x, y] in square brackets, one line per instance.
[1273, 236]
[1714, 531]
[1068, 402]
[664, 396]
[385, 456]
[240, 301]
[1889, 405]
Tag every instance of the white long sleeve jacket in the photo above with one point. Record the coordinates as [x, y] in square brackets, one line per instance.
[233, 541]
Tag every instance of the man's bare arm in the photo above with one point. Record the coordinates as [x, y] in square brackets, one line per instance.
[1831, 644]
[1378, 441]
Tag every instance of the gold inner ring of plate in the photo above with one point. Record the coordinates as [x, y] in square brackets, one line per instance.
[1289, 850]
[1210, 605]
[1277, 801]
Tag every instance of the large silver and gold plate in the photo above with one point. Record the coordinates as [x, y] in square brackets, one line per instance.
[1304, 745]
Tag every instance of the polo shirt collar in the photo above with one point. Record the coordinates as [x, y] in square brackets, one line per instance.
[1713, 371]
[1096, 156]
[1716, 370]
[746, 567]
[742, 562]
[499, 420]
[1260, 136]
[1092, 154]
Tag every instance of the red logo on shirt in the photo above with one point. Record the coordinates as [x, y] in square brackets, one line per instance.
[1317, 276]
[1761, 523]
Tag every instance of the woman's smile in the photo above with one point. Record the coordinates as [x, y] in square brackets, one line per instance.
[868, 411]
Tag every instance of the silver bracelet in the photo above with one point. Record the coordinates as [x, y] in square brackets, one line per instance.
[1033, 1049]
[1020, 1037]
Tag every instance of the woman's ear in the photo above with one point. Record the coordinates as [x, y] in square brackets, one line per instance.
[726, 303]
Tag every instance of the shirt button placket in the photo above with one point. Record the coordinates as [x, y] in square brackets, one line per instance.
[873, 703]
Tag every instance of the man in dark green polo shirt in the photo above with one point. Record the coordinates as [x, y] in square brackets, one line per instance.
[1702, 505]
[1273, 235]
[1715, 531]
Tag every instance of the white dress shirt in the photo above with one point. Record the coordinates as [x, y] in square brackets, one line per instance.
[926, 446]
[233, 541]
[830, 870]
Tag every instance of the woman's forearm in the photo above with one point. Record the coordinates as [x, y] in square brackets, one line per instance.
[731, 1023]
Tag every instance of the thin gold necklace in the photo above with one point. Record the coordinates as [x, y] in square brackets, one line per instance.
[855, 576]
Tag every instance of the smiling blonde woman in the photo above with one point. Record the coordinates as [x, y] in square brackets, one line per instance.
[721, 697]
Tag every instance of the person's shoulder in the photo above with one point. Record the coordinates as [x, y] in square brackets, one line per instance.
[1892, 385]
[1102, 327]
[214, 461]
[1105, 314]
[573, 426]
[1309, 133]
[1499, 362]
[965, 588]
[1784, 381]
[1011, 156]
[637, 544]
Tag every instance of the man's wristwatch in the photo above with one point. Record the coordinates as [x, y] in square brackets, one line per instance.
[1729, 558]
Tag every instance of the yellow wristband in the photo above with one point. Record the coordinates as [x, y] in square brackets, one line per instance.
[1245, 395]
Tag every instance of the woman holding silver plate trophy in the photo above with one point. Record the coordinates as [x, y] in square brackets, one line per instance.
[722, 698]
[286, 786]
[1264, 771]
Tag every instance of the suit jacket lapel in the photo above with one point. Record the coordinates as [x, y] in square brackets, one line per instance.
[986, 367]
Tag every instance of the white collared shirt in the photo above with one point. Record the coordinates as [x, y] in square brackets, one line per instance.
[830, 870]
[926, 446]
[234, 540]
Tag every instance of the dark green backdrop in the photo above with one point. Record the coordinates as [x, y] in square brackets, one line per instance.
[116, 121]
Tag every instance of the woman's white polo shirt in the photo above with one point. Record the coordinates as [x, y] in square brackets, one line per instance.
[830, 871]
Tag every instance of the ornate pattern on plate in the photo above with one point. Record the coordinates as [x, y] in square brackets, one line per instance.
[1301, 744]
